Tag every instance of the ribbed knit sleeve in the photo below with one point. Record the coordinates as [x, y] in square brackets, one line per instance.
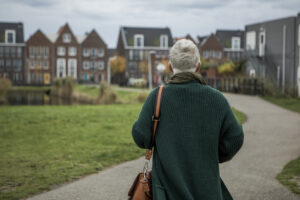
[231, 136]
[142, 128]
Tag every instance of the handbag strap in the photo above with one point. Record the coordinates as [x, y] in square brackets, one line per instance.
[155, 119]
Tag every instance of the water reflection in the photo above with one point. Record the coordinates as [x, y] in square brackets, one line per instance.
[34, 98]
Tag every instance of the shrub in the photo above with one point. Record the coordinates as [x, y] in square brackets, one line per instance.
[63, 87]
[5, 85]
[106, 94]
[142, 97]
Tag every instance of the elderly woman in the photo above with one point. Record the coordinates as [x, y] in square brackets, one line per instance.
[196, 132]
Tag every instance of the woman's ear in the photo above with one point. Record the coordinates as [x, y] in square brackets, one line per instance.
[170, 67]
[198, 68]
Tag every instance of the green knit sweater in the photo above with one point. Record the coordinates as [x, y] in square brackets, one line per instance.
[196, 132]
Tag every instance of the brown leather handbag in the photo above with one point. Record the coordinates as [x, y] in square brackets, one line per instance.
[141, 188]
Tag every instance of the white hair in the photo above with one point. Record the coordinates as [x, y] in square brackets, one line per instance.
[184, 56]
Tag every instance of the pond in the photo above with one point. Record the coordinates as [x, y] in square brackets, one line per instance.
[20, 97]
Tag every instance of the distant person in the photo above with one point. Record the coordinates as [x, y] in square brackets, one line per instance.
[196, 132]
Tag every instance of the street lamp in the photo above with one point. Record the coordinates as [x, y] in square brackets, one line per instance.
[160, 68]
[150, 69]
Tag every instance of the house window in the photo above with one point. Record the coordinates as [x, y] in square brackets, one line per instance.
[17, 65]
[66, 38]
[10, 36]
[13, 52]
[205, 54]
[141, 54]
[6, 51]
[100, 77]
[250, 40]
[86, 65]
[86, 52]
[39, 63]
[1, 65]
[32, 64]
[38, 52]
[211, 54]
[8, 65]
[72, 51]
[19, 52]
[31, 52]
[100, 65]
[86, 77]
[61, 68]
[135, 54]
[46, 52]
[93, 52]
[1, 52]
[100, 52]
[93, 65]
[46, 64]
[130, 54]
[235, 43]
[138, 40]
[219, 54]
[163, 41]
[72, 68]
[61, 51]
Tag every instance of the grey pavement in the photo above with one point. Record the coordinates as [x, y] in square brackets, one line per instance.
[272, 138]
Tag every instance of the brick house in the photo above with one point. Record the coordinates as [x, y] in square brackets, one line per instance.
[12, 52]
[94, 59]
[136, 43]
[39, 59]
[211, 48]
[66, 54]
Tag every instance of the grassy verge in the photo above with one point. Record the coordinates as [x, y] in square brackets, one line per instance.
[240, 116]
[292, 104]
[290, 176]
[41, 146]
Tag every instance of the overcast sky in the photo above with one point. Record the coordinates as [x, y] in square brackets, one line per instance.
[197, 17]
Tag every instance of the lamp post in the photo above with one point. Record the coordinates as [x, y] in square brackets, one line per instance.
[150, 69]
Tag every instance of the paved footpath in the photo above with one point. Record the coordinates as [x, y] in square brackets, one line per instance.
[272, 138]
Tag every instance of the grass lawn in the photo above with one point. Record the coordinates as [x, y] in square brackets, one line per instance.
[123, 95]
[290, 176]
[292, 104]
[41, 146]
[240, 116]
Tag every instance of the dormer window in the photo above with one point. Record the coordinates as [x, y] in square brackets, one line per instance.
[235, 43]
[10, 36]
[163, 41]
[66, 38]
[138, 41]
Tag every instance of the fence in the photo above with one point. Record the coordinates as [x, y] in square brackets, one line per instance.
[250, 86]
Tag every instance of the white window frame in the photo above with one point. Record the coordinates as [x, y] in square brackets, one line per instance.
[66, 38]
[136, 36]
[19, 52]
[31, 64]
[100, 52]
[219, 54]
[63, 61]
[86, 52]
[251, 40]
[95, 50]
[238, 39]
[38, 52]
[46, 52]
[45, 66]
[100, 66]
[86, 62]
[72, 51]
[14, 36]
[130, 54]
[61, 51]
[162, 38]
[141, 54]
[75, 67]
[205, 54]
[31, 52]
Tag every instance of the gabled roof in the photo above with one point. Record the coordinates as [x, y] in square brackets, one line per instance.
[201, 39]
[151, 35]
[92, 38]
[225, 37]
[18, 27]
[65, 28]
[38, 37]
[188, 37]
[211, 42]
